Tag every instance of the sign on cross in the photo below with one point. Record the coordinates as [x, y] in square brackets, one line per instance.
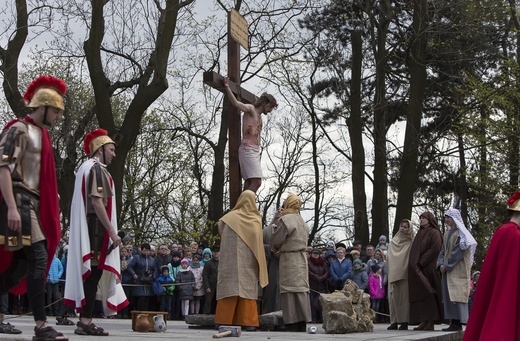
[216, 81]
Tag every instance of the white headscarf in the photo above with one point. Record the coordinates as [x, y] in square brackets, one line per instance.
[466, 239]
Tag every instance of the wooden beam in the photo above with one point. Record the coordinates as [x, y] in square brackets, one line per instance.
[234, 119]
[216, 81]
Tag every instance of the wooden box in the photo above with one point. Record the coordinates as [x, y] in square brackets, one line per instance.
[150, 315]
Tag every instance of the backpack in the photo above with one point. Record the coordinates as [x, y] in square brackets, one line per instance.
[158, 289]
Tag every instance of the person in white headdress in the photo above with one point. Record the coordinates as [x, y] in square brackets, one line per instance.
[454, 262]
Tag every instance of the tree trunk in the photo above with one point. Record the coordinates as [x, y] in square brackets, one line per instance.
[216, 197]
[514, 114]
[9, 58]
[408, 177]
[380, 190]
[355, 128]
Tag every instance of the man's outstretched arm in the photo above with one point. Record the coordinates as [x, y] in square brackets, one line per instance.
[237, 104]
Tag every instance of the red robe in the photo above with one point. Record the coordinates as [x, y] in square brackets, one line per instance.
[49, 206]
[495, 314]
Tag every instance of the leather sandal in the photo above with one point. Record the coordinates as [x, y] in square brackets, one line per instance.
[89, 329]
[64, 321]
[429, 326]
[48, 334]
[7, 328]
[420, 326]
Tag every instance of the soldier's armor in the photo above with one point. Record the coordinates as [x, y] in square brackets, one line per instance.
[31, 161]
[98, 184]
[21, 151]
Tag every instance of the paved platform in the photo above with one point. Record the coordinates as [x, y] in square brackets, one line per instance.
[121, 330]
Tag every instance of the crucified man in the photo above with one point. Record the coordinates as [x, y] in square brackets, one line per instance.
[249, 150]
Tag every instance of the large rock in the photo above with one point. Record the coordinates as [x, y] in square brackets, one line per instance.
[347, 311]
[337, 301]
[338, 322]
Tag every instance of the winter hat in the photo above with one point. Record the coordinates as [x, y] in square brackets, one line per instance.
[316, 251]
[358, 261]
[383, 238]
[330, 254]
[208, 251]
[331, 244]
[185, 261]
[165, 267]
[374, 268]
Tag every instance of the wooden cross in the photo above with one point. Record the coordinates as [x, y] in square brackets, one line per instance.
[216, 81]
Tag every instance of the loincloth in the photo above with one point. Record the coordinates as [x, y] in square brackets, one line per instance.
[249, 159]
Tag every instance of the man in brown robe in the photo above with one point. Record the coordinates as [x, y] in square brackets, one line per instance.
[242, 264]
[424, 281]
[289, 241]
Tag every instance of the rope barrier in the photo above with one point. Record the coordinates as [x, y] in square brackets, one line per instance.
[140, 285]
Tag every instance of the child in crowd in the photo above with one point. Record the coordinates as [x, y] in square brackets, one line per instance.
[206, 255]
[52, 287]
[473, 288]
[329, 258]
[198, 290]
[188, 255]
[382, 242]
[184, 275]
[175, 268]
[359, 274]
[166, 298]
[376, 289]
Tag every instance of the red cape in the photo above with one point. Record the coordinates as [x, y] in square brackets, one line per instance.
[495, 314]
[49, 206]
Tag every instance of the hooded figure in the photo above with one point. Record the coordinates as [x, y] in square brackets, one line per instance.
[397, 264]
[454, 262]
[290, 241]
[239, 276]
[423, 278]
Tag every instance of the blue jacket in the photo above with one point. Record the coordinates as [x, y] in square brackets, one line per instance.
[55, 271]
[168, 290]
[138, 265]
[360, 277]
[341, 271]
